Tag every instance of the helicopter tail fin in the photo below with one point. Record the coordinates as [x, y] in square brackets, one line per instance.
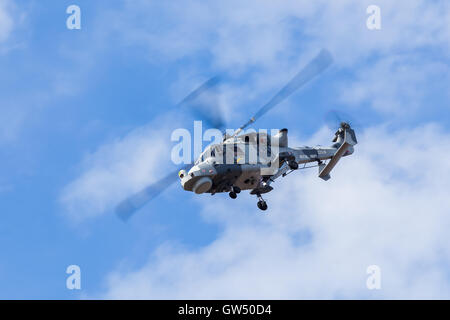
[344, 148]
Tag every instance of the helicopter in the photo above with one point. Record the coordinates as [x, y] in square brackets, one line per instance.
[252, 160]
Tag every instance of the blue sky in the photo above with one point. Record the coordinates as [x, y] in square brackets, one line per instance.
[87, 116]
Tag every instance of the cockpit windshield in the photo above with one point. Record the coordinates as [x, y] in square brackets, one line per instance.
[210, 151]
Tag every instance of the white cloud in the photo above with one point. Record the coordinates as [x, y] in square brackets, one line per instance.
[6, 20]
[406, 26]
[390, 85]
[252, 33]
[272, 41]
[118, 169]
[19, 73]
[386, 205]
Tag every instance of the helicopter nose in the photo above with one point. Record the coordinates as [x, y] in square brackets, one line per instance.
[198, 179]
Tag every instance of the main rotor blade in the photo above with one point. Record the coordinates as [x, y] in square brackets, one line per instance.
[211, 116]
[132, 204]
[311, 70]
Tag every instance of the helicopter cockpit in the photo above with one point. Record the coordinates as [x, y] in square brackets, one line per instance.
[227, 153]
[239, 151]
[209, 152]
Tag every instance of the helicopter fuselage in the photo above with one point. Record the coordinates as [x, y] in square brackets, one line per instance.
[250, 162]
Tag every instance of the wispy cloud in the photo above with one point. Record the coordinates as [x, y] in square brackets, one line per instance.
[264, 32]
[383, 206]
[273, 40]
[390, 85]
[117, 169]
[6, 20]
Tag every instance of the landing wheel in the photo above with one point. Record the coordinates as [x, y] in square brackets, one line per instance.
[236, 190]
[293, 165]
[262, 205]
[233, 195]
